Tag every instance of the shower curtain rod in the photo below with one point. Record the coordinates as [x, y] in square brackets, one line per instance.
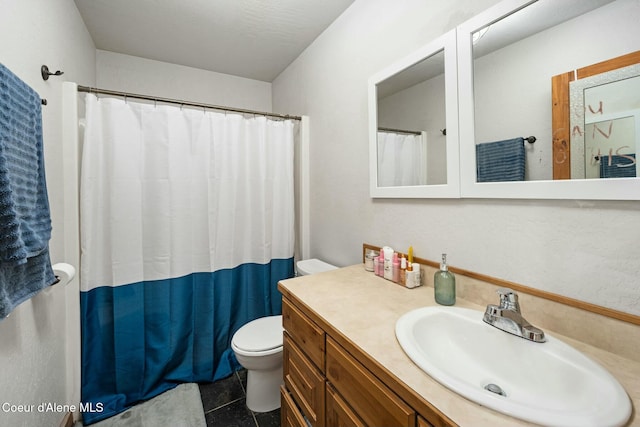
[409, 132]
[89, 89]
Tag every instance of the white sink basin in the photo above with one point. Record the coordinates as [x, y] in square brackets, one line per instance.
[547, 383]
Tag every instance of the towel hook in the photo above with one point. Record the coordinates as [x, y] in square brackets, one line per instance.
[44, 71]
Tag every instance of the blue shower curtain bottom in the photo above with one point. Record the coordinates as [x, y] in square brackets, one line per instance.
[141, 339]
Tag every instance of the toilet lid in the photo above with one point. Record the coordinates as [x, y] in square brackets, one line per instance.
[261, 334]
[313, 266]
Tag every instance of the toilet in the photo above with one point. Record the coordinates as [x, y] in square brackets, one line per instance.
[312, 266]
[258, 348]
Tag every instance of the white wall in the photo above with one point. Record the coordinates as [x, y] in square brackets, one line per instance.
[148, 77]
[582, 249]
[33, 351]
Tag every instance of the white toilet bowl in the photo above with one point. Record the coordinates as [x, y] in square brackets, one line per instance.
[258, 348]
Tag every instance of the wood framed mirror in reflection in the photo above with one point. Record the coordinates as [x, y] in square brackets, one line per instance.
[596, 135]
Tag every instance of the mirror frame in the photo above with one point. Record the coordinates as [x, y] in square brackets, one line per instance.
[451, 189]
[588, 189]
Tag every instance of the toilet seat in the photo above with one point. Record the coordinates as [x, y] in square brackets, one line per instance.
[261, 336]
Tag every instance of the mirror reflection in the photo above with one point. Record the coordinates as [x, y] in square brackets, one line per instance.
[604, 114]
[514, 61]
[411, 141]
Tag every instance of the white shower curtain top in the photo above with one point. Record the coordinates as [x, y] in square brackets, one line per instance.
[166, 191]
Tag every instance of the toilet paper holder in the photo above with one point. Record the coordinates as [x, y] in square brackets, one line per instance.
[64, 272]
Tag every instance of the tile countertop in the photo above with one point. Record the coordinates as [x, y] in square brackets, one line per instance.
[364, 308]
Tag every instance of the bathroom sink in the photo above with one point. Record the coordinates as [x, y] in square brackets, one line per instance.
[548, 383]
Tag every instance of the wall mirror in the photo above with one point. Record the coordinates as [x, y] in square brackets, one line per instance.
[413, 126]
[507, 58]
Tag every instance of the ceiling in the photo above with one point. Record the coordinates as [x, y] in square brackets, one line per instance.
[256, 39]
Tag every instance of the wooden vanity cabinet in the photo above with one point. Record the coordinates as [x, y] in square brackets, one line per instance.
[338, 412]
[375, 404]
[326, 385]
[290, 415]
[305, 333]
[305, 382]
[303, 366]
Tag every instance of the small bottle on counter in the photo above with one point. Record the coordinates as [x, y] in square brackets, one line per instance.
[396, 268]
[415, 279]
[377, 265]
[388, 262]
[444, 283]
[403, 271]
[369, 258]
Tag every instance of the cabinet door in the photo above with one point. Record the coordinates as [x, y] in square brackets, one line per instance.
[304, 381]
[339, 414]
[306, 334]
[371, 400]
[290, 415]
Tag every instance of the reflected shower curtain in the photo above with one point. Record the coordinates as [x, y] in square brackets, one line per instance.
[187, 225]
[402, 159]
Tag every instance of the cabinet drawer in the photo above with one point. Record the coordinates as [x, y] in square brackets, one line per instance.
[339, 414]
[304, 382]
[423, 423]
[306, 334]
[374, 402]
[290, 415]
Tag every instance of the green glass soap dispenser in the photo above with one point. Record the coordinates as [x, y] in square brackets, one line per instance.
[444, 283]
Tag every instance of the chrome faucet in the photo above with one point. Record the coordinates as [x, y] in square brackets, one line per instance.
[507, 317]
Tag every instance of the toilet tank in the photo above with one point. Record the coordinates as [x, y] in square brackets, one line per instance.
[311, 266]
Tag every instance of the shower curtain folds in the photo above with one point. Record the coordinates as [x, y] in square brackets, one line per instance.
[187, 225]
[402, 158]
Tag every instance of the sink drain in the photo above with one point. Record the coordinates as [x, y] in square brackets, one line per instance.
[493, 388]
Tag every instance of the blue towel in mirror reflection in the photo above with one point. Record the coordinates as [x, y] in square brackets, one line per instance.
[618, 166]
[500, 160]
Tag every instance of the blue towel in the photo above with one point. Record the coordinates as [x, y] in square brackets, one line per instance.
[500, 161]
[25, 221]
[617, 166]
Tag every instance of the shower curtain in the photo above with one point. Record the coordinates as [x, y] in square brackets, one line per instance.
[187, 225]
[402, 159]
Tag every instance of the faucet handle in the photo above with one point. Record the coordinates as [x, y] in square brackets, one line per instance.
[508, 299]
[505, 291]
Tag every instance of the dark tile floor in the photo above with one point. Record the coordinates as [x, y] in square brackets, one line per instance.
[224, 404]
